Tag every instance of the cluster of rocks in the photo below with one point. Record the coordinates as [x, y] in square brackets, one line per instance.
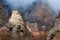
[13, 29]
[54, 33]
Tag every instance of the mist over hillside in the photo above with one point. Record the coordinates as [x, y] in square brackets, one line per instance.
[28, 5]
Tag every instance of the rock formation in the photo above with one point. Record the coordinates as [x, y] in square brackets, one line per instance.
[54, 32]
[18, 25]
[16, 19]
[55, 29]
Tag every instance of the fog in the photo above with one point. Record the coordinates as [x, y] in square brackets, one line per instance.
[19, 3]
[55, 4]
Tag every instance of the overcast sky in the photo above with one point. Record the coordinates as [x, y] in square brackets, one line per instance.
[55, 4]
[17, 3]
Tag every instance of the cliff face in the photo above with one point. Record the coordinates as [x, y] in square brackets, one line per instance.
[54, 33]
[16, 19]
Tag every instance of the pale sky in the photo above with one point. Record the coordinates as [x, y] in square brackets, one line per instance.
[17, 3]
[55, 4]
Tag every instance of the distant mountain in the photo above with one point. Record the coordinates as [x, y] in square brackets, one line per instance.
[42, 14]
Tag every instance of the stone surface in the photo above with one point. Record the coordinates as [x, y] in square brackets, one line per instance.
[54, 31]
